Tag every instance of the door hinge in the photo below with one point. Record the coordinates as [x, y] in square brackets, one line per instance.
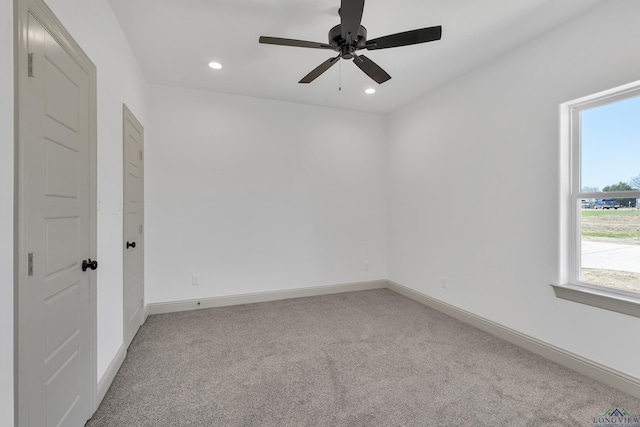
[30, 66]
[140, 228]
[140, 154]
[30, 264]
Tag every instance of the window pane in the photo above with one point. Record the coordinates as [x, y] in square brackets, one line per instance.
[611, 148]
[609, 235]
[611, 247]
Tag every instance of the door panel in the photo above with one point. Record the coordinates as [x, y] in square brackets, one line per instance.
[60, 318]
[61, 172]
[133, 146]
[62, 246]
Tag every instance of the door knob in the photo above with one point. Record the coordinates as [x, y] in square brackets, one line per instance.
[132, 245]
[87, 263]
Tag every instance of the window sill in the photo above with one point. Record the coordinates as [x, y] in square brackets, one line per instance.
[619, 303]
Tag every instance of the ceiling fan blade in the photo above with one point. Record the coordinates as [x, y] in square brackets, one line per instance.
[371, 69]
[294, 43]
[350, 18]
[406, 38]
[319, 70]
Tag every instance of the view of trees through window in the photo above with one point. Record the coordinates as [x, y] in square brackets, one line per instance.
[609, 212]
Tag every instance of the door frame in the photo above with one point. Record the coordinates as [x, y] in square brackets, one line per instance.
[41, 11]
[128, 115]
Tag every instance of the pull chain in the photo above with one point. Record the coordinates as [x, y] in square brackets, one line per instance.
[339, 75]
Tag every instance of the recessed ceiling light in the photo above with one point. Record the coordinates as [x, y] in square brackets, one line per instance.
[370, 91]
[215, 65]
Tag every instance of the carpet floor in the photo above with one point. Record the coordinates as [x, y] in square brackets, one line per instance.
[369, 358]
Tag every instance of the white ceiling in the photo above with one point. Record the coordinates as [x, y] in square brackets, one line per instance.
[174, 40]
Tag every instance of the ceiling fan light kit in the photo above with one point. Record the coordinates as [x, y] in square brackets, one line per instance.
[349, 36]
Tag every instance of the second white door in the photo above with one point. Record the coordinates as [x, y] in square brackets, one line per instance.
[133, 140]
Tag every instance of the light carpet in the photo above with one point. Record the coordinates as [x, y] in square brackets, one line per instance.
[369, 358]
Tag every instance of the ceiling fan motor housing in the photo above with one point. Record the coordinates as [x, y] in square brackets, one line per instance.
[340, 45]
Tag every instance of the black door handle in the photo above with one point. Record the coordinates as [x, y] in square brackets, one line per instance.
[132, 245]
[87, 263]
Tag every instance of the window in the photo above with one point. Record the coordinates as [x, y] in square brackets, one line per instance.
[603, 224]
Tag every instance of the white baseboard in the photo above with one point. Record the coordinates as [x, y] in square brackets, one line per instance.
[194, 304]
[110, 374]
[582, 365]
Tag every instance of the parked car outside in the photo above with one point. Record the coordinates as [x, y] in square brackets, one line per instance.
[606, 204]
[585, 204]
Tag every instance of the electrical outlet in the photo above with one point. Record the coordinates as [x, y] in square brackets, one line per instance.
[365, 266]
[195, 279]
[443, 282]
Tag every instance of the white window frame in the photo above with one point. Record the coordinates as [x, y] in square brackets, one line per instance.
[571, 288]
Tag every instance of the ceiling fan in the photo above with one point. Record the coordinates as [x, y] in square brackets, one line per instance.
[349, 36]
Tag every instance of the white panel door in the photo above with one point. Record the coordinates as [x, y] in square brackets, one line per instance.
[133, 146]
[54, 301]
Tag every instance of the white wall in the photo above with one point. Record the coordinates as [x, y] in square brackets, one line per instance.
[474, 185]
[256, 195]
[6, 211]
